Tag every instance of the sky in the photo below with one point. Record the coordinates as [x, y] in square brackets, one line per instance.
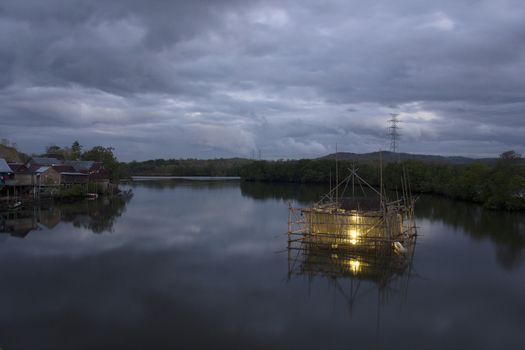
[283, 79]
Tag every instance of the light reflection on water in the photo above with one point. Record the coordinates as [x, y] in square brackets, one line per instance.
[204, 264]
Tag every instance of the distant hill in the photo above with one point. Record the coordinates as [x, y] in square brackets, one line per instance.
[11, 155]
[388, 157]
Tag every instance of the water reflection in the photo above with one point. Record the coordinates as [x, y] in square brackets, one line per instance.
[173, 183]
[199, 265]
[506, 230]
[302, 193]
[97, 215]
[389, 273]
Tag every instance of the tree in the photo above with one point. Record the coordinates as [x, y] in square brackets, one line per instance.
[510, 155]
[76, 150]
[53, 149]
[105, 155]
[100, 154]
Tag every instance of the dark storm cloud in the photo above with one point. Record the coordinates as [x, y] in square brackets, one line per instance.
[224, 78]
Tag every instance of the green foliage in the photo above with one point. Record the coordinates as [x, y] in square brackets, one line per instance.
[303, 171]
[501, 186]
[53, 149]
[105, 155]
[510, 155]
[94, 187]
[76, 150]
[75, 191]
[9, 152]
[119, 171]
[187, 167]
[100, 154]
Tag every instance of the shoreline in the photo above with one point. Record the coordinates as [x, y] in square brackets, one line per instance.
[191, 178]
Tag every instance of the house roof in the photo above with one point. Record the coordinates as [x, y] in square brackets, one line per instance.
[18, 167]
[58, 156]
[45, 161]
[64, 168]
[80, 165]
[75, 174]
[34, 167]
[4, 167]
[42, 169]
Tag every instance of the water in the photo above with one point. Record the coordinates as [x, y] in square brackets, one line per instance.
[203, 264]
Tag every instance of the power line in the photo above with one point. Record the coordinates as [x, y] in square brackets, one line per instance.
[393, 131]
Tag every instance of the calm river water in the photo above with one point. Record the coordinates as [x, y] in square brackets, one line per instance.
[203, 264]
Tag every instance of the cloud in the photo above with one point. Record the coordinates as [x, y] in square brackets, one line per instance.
[224, 78]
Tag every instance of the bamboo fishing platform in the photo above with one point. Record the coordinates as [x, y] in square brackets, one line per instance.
[354, 234]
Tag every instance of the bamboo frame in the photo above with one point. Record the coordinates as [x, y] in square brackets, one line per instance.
[339, 243]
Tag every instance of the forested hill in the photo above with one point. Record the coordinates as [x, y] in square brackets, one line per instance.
[10, 154]
[235, 166]
[388, 157]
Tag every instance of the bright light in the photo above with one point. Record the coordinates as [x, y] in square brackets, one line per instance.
[355, 265]
[353, 236]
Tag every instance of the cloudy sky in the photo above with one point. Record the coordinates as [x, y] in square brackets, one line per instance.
[172, 79]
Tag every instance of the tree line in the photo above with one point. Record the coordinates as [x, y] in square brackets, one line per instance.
[187, 167]
[497, 186]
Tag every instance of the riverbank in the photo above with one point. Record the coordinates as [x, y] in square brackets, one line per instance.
[65, 194]
[500, 186]
[189, 178]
